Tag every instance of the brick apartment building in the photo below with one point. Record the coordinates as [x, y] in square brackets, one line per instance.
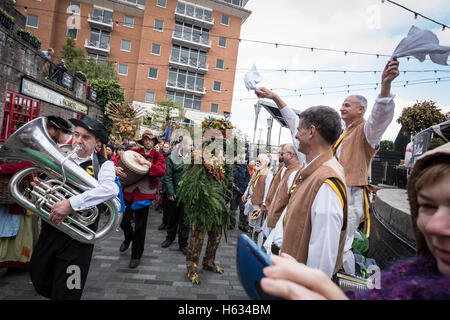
[163, 49]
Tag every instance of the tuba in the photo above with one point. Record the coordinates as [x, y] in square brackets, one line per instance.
[255, 214]
[32, 143]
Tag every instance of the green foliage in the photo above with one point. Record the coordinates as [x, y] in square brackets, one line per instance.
[435, 142]
[387, 145]
[163, 112]
[76, 62]
[107, 91]
[420, 116]
[4, 13]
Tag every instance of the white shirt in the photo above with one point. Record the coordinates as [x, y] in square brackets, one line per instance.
[106, 190]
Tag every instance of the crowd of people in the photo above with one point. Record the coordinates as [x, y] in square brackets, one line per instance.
[305, 214]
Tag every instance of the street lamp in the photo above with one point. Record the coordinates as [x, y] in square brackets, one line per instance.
[257, 110]
[269, 130]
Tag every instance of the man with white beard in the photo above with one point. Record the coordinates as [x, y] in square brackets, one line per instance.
[256, 193]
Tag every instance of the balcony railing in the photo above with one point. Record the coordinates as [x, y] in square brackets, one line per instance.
[202, 20]
[187, 88]
[97, 46]
[189, 65]
[101, 22]
[191, 40]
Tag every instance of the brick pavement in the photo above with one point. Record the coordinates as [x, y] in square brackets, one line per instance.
[160, 276]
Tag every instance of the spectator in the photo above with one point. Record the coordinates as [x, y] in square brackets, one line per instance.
[424, 277]
[175, 210]
[241, 177]
[116, 157]
[48, 54]
[252, 167]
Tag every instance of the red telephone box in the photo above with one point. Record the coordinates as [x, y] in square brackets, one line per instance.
[19, 109]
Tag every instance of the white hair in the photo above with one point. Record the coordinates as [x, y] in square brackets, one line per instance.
[264, 158]
[361, 101]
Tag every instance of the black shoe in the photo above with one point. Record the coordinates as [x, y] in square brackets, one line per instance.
[184, 250]
[162, 226]
[134, 263]
[124, 246]
[166, 243]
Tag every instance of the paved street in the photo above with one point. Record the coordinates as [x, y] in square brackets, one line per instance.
[161, 274]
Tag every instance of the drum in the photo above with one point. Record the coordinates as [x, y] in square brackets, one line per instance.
[131, 167]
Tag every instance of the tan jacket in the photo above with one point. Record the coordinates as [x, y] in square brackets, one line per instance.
[259, 188]
[356, 155]
[273, 185]
[297, 228]
[280, 198]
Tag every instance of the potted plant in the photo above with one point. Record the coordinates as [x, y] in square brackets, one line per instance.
[6, 20]
[29, 38]
[400, 176]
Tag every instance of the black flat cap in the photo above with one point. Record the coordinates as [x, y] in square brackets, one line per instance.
[92, 125]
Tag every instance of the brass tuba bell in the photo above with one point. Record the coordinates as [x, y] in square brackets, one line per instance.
[255, 214]
[32, 143]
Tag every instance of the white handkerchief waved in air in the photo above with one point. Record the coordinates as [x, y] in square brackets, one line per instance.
[419, 43]
[251, 78]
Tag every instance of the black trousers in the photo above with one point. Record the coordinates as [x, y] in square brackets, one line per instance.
[137, 236]
[176, 223]
[165, 205]
[58, 264]
[236, 202]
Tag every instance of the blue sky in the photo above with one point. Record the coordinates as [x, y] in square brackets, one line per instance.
[363, 26]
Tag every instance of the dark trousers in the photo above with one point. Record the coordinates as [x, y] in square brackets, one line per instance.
[236, 202]
[58, 264]
[165, 205]
[136, 236]
[176, 223]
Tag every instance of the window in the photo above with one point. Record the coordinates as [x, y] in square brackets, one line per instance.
[161, 3]
[99, 38]
[186, 80]
[72, 33]
[189, 32]
[217, 86]
[32, 21]
[74, 8]
[128, 22]
[126, 45]
[141, 2]
[153, 73]
[150, 97]
[123, 69]
[185, 99]
[225, 20]
[156, 49]
[159, 25]
[222, 42]
[101, 15]
[219, 64]
[97, 58]
[214, 107]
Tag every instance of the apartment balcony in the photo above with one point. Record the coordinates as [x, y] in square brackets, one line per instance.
[189, 66]
[198, 20]
[100, 22]
[187, 88]
[191, 40]
[97, 47]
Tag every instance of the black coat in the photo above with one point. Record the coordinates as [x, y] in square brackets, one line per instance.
[241, 177]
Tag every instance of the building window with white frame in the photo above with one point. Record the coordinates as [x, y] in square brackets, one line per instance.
[217, 86]
[225, 20]
[123, 70]
[128, 22]
[153, 73]
[222, 42]
[161, 3]
[156, 49]
[126, 45]
[32, 21]
[72, 33]
[150, 97]
[74, 8]
[214, 107]
[220, 64]
[159, 25]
